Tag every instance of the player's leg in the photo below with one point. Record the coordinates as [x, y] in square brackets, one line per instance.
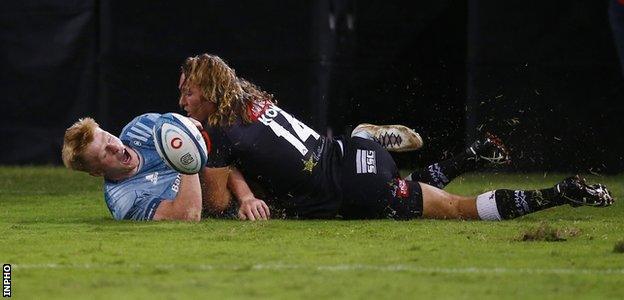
[439, 204]
[398, 138]
[505, 204]
[371, 189]
[488, 150]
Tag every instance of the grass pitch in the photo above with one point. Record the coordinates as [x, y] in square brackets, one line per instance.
[62, 243]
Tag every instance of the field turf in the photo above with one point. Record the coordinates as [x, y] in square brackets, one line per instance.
[62, 243]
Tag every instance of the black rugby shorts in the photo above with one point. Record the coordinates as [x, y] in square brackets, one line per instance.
[371, 185]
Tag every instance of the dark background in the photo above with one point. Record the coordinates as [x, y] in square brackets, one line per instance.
[544, 75]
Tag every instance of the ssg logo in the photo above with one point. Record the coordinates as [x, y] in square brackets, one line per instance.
[365, 161]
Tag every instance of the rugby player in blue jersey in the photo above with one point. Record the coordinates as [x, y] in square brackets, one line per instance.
[313, 176]
[308, 175]
[138, 185]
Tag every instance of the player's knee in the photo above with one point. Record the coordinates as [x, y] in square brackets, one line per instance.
[462, 208]
[443, 205]
[459, 209]
[451, 207]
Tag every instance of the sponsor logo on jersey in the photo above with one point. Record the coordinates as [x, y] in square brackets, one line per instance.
[269, 114]
[152, 177]
[400, 188]
[256, 108]
[403, 189]
[308, 165]
[365, 161]
[176, 184]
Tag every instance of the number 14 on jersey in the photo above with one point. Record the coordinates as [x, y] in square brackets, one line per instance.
[302, 131]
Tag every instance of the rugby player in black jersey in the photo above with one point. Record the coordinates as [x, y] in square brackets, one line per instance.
[312, 176]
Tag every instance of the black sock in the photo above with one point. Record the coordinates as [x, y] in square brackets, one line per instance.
[515, 203]
[440, 174]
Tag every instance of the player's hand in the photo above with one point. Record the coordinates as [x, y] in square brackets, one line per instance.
[253, 209]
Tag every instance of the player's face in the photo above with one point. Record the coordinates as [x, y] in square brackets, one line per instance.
[192, 101]
[109, 157]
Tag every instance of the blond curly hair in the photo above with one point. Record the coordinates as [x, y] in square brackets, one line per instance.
[77, 138]
[219, 84]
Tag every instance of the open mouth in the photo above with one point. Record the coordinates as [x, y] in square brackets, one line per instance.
[126, 157]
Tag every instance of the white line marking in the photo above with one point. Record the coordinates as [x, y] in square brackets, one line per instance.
[331, 268]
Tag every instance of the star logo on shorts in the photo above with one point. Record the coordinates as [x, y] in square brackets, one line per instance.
[308, 165]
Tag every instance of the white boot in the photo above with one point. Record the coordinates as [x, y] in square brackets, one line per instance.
[397, 138]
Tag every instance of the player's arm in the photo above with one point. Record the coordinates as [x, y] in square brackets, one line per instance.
[215, 195]
[251, 208]
[186, 206]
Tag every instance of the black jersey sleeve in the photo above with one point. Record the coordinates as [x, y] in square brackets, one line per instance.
[221, 152]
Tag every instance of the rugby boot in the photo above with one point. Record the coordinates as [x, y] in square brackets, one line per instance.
[576, 192]
[490, 149]
[396, 138]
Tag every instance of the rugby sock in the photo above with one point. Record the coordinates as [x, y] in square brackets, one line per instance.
[510, 204]
[440, 174]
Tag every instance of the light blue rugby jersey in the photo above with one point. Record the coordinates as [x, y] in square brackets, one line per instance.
[137, 197]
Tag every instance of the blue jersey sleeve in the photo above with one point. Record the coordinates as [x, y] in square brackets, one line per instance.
[144, 207]
[135, 205]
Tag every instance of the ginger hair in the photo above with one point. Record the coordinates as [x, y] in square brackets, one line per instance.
[219, 84]
[77, 138]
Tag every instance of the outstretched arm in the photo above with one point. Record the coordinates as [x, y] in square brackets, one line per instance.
[187, 204]
[250, 208]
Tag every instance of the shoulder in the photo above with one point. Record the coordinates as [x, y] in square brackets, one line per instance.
[256, 107]
[139, 130]
[148, 120]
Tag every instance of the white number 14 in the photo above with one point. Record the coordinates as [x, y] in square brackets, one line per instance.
[303, 132]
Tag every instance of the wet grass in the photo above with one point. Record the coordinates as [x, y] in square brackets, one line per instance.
[62, 242]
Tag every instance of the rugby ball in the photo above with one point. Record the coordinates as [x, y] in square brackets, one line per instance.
[179, 143]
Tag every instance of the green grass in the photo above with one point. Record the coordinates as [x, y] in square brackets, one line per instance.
[62, 242]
